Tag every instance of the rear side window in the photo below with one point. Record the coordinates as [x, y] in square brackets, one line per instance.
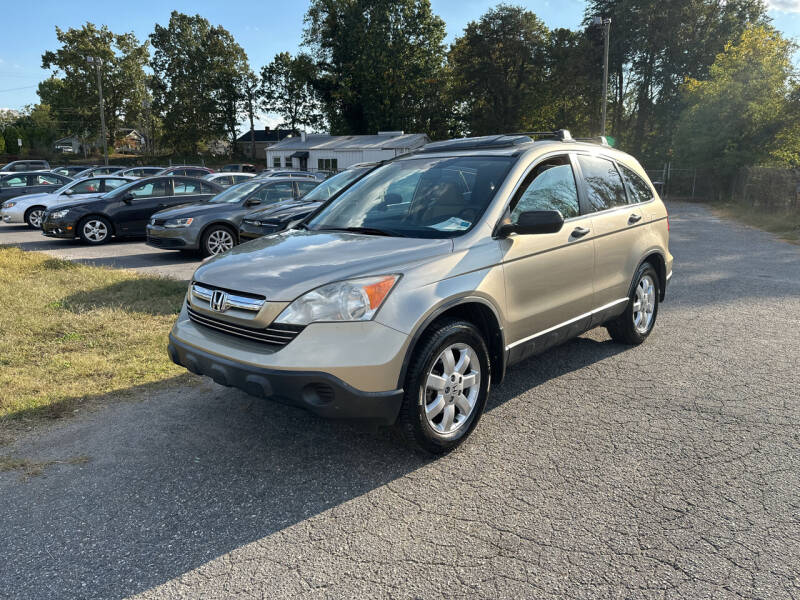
[603, 184]
[15, 181]
[183, 188]
[151, 188]
[638, 190]
[550, 186]
[48, 180]
[207, 189]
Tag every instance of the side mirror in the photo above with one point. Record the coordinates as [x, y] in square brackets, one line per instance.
[127, 197]
[252, 201]
[534, 221]
[68, 192]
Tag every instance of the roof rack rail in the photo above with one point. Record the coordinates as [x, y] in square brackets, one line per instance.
[600, 139]
[559, 134]
[483, 142]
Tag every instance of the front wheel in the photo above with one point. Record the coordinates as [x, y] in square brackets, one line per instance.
[34, 216]
[95, 230]
[635, 324]
[446, 387]
[216, 240]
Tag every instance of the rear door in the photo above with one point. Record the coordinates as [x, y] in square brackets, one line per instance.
[190, 190]
[549, 277]
[617, 226]
[148, 197]
[12, 186]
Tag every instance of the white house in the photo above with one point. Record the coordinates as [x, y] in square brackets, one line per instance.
[324, 152]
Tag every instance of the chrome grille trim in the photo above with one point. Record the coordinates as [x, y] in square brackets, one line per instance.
[232, 300]
[279, 335]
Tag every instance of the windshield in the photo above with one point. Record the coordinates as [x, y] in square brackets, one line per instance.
[236, 193]
[330, 186]
[418, 197]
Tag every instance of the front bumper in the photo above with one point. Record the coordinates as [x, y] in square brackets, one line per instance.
[59, 229]
[316, 391]
[180, 238]
[12, 215]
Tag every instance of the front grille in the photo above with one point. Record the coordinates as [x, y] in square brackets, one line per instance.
[276, 334]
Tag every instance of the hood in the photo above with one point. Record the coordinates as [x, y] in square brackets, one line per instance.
[87, 201]
[195, 209]
[283, 209]
[284, 266]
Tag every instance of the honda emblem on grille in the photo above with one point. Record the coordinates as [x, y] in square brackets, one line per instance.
[219, 301]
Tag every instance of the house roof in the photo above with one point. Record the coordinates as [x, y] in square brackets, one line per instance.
[273, 135]
[314, 141]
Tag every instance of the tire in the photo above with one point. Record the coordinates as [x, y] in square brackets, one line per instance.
[95, 230]
[634, 326]
[216, 240]
[427, 409]
[33, 216]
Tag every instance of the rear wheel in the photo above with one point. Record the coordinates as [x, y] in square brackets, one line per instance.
[95, 230]
[216, 240]
[446, 387]
[635, 324]
[33, 217]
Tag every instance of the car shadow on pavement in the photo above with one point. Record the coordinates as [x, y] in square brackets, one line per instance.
[192, 473]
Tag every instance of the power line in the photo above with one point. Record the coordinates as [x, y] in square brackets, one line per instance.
[24, 87]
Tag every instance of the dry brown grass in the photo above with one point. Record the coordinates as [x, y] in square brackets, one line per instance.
[783, 223]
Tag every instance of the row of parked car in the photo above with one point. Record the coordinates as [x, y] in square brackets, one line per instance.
[177, 208]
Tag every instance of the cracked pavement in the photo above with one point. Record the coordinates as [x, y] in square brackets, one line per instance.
[670, 470]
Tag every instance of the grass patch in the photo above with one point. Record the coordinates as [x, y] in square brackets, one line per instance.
[71, 333]
[783, 223]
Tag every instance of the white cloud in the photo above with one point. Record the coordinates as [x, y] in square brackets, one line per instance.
[789, 6]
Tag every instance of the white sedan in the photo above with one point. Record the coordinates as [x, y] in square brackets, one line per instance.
[30, 208]
[228, 179]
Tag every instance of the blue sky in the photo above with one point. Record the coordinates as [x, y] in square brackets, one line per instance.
[261, 28]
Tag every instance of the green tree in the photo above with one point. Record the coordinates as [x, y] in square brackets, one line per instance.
[744, 111]
[71, 91]
[197, 81]
[654, 47]
[499, 71]
[287, 90]
[380, 65]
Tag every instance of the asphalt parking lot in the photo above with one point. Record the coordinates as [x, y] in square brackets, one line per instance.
[128, 254]
[670, 470]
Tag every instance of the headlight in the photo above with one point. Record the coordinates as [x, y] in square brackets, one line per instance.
[59, 213]
[9, 204]
[176, 223]
[354, 300]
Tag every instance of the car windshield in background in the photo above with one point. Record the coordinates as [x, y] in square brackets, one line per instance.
[329, 187]
[236, 193]
[420, 197]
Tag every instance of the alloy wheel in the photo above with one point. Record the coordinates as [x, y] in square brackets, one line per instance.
[219, 240]
[35, 218]
[644, 304]
[452, 388]
[95, 231]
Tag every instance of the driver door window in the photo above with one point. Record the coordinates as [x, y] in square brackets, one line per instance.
[552, 187]
[90, 186]
[278, 192]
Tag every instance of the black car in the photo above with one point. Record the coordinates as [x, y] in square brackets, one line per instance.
[271, 219]
[125, 211]
[34, 182]
[239, 168]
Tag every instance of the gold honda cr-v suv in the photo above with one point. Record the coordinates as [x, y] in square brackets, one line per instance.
[409, 293]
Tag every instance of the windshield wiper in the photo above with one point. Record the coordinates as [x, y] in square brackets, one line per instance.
[365, 230]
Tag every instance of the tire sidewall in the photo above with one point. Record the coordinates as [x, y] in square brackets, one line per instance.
[645, 269]
[86, 240]
[459, 332]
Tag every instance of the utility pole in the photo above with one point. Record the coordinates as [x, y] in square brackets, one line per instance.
[606, 23]
[97, 62]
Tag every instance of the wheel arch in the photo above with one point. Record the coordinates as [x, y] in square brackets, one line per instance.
[478, 311]
[227, 224]
[31, 208]
[655, 258]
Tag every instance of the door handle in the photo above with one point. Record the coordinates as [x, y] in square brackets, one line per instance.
[580, 232]
[162, 206]
[634, 218]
